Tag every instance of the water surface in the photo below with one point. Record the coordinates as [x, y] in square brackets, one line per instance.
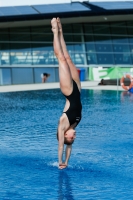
[101, 164]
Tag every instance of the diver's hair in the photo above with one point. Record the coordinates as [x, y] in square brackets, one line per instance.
[57, 134]
[68, 142]
[65, 140]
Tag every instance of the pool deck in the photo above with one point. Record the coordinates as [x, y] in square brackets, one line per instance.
[93, 85]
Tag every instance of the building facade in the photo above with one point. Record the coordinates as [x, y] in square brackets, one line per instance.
[95, 36]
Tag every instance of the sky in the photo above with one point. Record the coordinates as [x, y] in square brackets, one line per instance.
[37, 2]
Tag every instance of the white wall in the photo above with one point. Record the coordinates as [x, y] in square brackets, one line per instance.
[30, 2]
[37, 2]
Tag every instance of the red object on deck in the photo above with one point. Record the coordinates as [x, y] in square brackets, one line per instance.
[78, 72]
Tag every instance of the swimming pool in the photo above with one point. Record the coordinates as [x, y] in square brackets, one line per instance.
[101, 165]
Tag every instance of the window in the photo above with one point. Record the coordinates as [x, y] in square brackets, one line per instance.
[122, 54]
[43, 53]
[41, 33]
[20, 53]
[130, 31]
[5, 57]
[20, 34]
[4, 35]
[119, 32]
[88, 33]
[102, 33]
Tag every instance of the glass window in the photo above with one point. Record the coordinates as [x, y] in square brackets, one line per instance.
[70, 47]
[34, 45]
[4, 35]
[130, 31]
[131, 52]
[122, 54]
[79, 58]
[78, 47]
[87, 28]
[4, 46]
[103, 47]
[105, 58]
[43, 54]
[88, 33]
[20, 53]
[5, 76]
[122, 58]
[104, 55]
[5, 57]
[76, 53]
[119, 39]
[90, 47]
[57, 74]
[20, 34]
[121, 48]
[77, 32]
[22, 75]
[75, 48]
[88, 38]
[67, 30]
[41, 29]
[119, 32]
[68, 36]
[41, 33]
[102, 33]
[102, 38]
[38, 37]
[91, 58]
[91, 53]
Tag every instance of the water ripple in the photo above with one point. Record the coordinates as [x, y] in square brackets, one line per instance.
[101, 163]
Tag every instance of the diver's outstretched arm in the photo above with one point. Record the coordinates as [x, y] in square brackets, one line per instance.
[68, 153]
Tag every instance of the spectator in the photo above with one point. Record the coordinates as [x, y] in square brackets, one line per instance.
[44, 77]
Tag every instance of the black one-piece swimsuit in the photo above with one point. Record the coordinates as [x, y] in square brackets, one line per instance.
[74, 111]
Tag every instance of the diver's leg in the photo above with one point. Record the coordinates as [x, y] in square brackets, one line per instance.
[73, 69]
[64, 71]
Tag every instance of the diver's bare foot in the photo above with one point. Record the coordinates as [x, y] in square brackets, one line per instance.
[59, 25]
[54, 25]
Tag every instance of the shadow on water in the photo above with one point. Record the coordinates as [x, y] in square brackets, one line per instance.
[65, 190]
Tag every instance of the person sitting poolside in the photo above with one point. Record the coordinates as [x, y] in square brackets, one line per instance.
[70, 87]
[130, 87]
[44, 77]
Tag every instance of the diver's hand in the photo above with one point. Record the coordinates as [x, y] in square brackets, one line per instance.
[62, 165]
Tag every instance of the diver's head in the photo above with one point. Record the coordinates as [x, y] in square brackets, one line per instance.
[69, 136]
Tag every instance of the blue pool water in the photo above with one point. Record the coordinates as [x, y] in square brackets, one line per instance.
[101, 164]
